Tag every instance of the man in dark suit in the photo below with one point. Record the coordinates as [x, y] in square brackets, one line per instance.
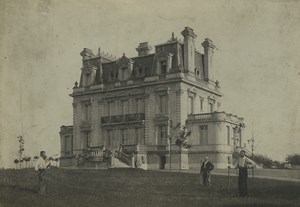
[206, 167]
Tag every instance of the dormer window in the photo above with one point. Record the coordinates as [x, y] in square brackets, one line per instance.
[163, 65]
[123, 73]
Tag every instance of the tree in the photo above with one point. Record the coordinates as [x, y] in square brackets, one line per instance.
[262, 159]
[179, 133]
[294, 159]
[16, 161]
[21, 149]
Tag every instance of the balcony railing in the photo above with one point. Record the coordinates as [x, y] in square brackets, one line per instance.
[123, 118]
[215, 116]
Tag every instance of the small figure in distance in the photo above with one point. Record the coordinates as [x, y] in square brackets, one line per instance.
[206, 167]
[40, 167]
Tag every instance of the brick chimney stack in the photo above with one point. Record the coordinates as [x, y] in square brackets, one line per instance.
[189, 49]
[143, 49]
[208, 58]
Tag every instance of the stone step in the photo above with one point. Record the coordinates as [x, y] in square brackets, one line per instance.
[118, 164]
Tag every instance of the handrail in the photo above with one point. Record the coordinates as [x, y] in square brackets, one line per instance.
[123, 157]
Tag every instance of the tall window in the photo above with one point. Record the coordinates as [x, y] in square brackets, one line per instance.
[162, 135]
[201, 104]
[228, 135]
[124, 136]
[136, 134]
[87, 77]
[163, 65]
[163, 104]
[139, 105]
[87, 139]
[124, 107]
[68, 147]
[191, 105]
[87, 112]
[110, 108]
[123, 73]
[211, 107]
[203, 135]
[109, 138]
[234, 136]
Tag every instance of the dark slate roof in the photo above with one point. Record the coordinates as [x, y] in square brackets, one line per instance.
[147, 62]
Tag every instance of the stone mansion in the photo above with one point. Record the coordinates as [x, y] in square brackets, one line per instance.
[129, 102]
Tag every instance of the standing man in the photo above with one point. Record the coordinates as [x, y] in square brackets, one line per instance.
[40, 167]
[206, 167]
[243, 164]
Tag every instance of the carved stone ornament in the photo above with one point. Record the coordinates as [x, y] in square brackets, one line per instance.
[88, 68]
[163, 55]
[86, 52]
[124, 62]
[192, 91]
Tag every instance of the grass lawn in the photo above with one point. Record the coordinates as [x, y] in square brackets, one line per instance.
[131, 187]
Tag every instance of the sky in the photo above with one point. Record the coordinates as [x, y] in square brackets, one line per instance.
[257, 61]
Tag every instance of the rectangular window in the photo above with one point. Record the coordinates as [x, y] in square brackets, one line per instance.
[211, 107]
[234, 136]
[201, 104]
[203, 135]
[68, 147]
[228, 135]
[87, 139]
[136, 134]
[191, 105]
[163, 135]
[139, 105]
[124, 107]
[124, 136]
[123, 73]
[87, 112]
[109, 138]
[110, 108]
[163, 104]
[163, 65]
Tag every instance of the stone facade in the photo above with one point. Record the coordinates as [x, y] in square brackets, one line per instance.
[130, 102]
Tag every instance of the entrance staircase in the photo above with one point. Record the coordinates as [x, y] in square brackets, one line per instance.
[121, 160]
[99, 157]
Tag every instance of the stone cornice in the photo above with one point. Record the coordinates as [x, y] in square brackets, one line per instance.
[145, 84]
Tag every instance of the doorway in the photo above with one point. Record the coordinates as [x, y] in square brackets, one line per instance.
[162, 162]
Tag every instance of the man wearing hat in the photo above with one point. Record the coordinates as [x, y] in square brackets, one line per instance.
[206, 167]
[243, 164]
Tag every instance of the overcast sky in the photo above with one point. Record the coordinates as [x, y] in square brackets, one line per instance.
[257, 62]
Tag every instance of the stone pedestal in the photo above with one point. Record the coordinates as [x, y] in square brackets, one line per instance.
[184, 159]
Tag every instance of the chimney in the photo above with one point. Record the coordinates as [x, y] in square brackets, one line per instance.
[208, 55]
[143, 49]
[189, 49]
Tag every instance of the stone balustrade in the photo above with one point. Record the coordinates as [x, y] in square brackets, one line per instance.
[126, 118]
[215, 116]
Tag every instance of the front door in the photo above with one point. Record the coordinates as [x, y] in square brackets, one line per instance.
[162, 162]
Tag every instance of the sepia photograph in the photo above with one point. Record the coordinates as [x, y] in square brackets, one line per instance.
[149, 103]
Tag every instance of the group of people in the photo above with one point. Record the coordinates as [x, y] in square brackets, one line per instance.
[243, 163]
